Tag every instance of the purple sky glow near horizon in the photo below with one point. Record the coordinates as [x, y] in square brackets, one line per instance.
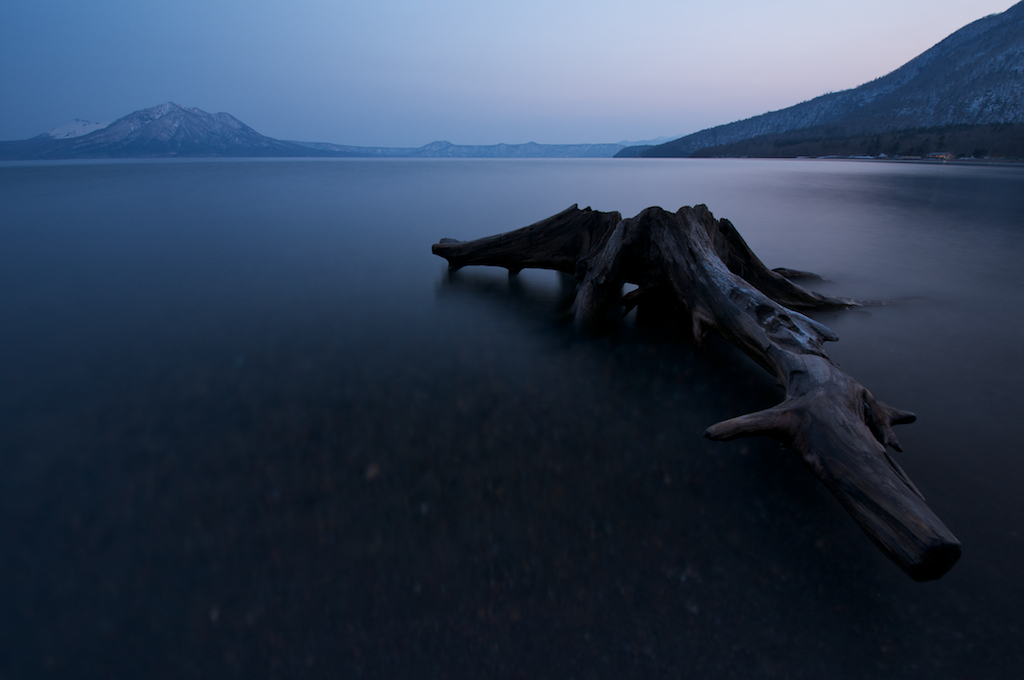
[405, 72]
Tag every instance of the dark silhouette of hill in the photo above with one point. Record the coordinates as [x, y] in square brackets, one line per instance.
[998, 140]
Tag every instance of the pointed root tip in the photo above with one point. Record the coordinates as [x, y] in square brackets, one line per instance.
[791, 274]
[442, 245]
[768, 423]
[936, 562]
[824, 332]
[890, 440]
[714, 433]
[898, 417]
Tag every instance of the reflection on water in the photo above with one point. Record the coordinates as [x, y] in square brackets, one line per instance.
[247, 421]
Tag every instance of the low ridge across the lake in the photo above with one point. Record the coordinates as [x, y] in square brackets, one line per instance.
[689, 264]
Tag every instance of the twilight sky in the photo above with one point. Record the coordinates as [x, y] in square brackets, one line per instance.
[408, 72]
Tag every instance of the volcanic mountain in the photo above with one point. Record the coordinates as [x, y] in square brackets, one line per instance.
[972, 79]
[167, 130]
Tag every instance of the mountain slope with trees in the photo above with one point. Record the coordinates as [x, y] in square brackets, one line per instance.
[973, 78]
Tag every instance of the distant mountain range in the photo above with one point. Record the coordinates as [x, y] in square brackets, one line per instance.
[170, 130]
[449, 150]
[962, 97]
[968, 91]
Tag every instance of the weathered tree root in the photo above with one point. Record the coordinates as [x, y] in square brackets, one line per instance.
[706, 269]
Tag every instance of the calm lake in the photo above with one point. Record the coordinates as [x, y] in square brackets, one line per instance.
[250, 427]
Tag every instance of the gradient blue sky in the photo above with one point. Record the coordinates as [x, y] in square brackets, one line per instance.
[407, 72]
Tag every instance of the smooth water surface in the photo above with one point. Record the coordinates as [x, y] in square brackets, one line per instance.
[250, 427]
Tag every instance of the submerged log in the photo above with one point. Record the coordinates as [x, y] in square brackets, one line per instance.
[705, 267]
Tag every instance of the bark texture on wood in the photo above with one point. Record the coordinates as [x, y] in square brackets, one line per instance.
[706, 268]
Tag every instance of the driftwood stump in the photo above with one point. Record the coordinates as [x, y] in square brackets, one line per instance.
[704, 269]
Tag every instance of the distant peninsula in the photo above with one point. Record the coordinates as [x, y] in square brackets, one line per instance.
[173, 131]
[964, 97]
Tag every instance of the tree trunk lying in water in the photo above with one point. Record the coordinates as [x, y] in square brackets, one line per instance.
[701, 267]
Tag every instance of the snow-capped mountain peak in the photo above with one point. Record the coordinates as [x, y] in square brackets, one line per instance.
[75, 128]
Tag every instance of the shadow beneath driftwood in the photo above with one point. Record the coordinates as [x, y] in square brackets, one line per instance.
[545, 299]
[532, 295]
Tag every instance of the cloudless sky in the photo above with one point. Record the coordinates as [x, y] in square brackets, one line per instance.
[408, 72]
